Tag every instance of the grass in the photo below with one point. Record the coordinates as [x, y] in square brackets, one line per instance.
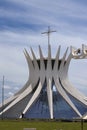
[40, 125]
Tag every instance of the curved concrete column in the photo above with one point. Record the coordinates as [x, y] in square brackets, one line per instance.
[49, 71]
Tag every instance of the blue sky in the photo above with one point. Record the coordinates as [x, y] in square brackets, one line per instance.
[21, 25]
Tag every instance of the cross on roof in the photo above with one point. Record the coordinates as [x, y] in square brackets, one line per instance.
[48, 33]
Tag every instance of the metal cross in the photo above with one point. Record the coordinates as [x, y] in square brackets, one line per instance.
[48, 33]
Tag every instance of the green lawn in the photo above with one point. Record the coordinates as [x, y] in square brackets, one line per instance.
[40, 125]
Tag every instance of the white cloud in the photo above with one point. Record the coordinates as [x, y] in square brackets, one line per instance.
[16, 88]
[10, 94]
[7, 87]
[50, 13]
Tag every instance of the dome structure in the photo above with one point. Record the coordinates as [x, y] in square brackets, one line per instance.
[44, 74]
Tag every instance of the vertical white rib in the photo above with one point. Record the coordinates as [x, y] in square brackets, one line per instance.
[29, 61]
[35, 77]
[50, 97]
[66, 66]
[35, 61]
[63, 61]
[34, 97]
[55, 68]
[65, 96]
[49, 64]
[49, 82]
[42, 66]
